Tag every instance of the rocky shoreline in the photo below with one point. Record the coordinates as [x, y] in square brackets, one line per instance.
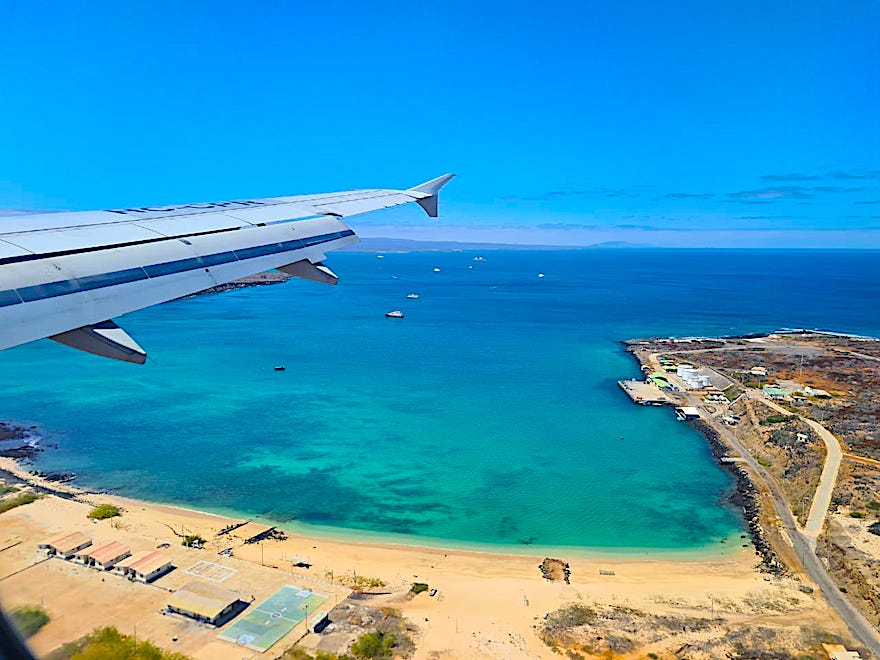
[18, 442]
[745, 495]
[21, 444]
[259, 279]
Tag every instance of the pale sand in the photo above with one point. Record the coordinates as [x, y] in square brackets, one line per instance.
[487, 605]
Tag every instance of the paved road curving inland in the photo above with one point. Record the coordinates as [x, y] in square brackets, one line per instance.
[805, 547]
[833, 456]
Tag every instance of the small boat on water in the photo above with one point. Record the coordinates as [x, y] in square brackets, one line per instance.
[540, 274]
[280, 367]
[436, 270]
[412, 296]
[396, 314]
[479, 258]
[380, 256]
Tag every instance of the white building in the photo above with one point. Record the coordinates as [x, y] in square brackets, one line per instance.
[66, 544]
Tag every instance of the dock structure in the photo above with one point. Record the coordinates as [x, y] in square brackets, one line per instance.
[687, 413]
[644, 393]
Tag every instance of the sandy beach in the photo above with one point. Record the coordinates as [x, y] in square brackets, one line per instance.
[486, 605]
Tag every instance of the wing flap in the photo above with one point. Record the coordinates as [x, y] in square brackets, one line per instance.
[105, 339]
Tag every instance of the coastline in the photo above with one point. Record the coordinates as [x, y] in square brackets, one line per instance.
[719, 550]
[489, 604]
[491, 599]
[744, 500]
[746, 494]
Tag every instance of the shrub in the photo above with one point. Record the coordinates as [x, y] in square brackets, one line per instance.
[9, 489]
[419, 587]
[109, 644]
[856, 514]
[874, 505]
[193, 540]
[355, 582]
[732, 392]
[874, 528]
[104, 511]
[29, 619]
[775, 419]
[373, 646]
[18, 500]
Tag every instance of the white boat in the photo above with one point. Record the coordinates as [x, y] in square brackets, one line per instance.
[479, 258]
[380, 256]
[436, 270]
[540, 274]
[396, 314]
[412, 296]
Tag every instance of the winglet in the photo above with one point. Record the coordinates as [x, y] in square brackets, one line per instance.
[430, 190]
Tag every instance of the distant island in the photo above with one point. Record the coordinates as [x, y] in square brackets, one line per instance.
[380, 244]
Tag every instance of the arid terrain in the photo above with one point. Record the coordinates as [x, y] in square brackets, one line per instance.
[784, 389]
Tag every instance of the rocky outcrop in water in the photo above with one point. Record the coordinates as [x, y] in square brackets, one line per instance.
[18, 442]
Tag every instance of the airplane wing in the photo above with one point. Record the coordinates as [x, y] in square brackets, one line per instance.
[67, 275]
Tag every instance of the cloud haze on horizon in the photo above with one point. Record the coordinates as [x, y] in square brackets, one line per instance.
[572, 124]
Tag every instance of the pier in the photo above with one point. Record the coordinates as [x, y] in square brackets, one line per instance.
[644, 394]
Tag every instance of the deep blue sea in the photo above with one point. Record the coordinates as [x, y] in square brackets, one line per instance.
[489, 415]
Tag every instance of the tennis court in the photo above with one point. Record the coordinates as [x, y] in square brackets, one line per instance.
[272, 619]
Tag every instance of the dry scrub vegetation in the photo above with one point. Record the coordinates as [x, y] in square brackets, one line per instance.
[610, 631]
[796, 465]
[850, 550]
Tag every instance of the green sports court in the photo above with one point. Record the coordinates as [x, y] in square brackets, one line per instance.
[272, 619]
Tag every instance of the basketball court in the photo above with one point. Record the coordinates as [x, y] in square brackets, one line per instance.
[272, 619]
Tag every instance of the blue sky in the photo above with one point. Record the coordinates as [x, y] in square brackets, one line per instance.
[687, 123]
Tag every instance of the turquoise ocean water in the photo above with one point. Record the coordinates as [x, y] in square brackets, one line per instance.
[489, 415]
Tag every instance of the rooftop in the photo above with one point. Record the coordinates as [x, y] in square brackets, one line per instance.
[201, 598]
[145, 561]
[107, 551]
[67, 541]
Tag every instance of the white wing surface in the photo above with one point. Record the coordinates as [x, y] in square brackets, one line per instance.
[67, 275]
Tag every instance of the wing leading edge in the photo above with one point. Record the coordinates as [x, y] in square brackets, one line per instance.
[67, 275]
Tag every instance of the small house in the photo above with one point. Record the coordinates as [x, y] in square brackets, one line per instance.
[204, 602]
[144, 566]
[104, 556]
[66, 544]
